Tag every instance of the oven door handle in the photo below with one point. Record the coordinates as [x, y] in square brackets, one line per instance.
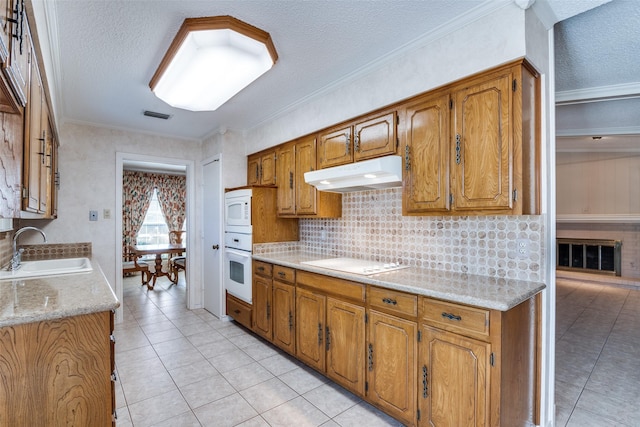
[237, 255]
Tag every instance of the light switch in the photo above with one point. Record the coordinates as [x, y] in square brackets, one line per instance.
[106, 213]
[93, 215]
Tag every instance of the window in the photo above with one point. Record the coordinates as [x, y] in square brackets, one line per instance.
[154, 229]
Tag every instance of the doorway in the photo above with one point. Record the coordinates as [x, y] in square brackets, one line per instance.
[167, 165]
[212, 215]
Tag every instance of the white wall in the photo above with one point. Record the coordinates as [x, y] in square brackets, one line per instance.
[87, 163]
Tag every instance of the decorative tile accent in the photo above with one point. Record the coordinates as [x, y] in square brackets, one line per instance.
[56, 250]
[372, 227]
[5, 248]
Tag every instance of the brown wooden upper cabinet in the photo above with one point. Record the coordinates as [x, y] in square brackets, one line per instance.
[295, 196]
[15, 55]
[261, 168]
[471, 148]
[368, 137]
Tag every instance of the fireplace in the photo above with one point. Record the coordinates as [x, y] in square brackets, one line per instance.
[589, 256]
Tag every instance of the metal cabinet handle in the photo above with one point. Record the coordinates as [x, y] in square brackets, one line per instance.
[370, 357]
[389, 301]
[328, 340]
[282, 274]
[290, 321]
[425, 383]
[319, 333]
[215, 247]
[356, 143]
[407, 158]
[268, 310]
[347, 144]
[451, 316]
[458, 148]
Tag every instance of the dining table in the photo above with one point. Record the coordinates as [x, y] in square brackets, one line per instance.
[158, 250]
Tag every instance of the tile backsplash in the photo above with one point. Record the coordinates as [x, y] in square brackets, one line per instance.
[372, 227]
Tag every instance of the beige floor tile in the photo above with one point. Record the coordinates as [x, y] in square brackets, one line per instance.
[144, 387]
[297, 412]
[181, 358]
[260, 350]
[173, 346]
[607, 407]
[192, 373]
[279, 364]
[157, 409]
[226, 412]
[364, 414]
[303, 379]
[205, 337]
[231, 360]
[207, 390]
[163, 336]
[254, 422]
[186, 419]
[268, 395]
[247, 376]
[331, 399]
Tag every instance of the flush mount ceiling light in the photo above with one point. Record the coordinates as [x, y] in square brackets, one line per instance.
[210, 60]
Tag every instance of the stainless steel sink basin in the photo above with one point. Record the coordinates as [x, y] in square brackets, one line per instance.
[48, 267]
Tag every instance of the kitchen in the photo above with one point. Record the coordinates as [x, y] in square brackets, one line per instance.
[77, 155]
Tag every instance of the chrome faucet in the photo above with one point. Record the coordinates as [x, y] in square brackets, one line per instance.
[16, 259]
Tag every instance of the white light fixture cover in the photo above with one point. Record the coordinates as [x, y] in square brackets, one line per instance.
[210, 60]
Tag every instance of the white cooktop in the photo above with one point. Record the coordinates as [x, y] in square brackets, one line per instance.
[357, 266]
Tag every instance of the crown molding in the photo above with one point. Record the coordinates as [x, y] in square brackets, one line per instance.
[598, 94]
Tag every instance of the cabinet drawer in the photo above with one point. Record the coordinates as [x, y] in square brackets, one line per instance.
[262, 268]
[284, 274]
[239, 310]
[341, 287]
[455, 317]
[393, 301]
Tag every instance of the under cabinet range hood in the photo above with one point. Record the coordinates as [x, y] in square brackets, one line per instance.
[383, 172]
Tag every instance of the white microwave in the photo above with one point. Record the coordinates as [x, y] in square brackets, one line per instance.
[237, 210]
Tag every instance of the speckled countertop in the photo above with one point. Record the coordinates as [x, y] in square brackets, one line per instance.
[55, 297]
[487, 292]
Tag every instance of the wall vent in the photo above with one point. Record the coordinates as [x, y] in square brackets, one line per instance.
[589, 256]
[157, 115]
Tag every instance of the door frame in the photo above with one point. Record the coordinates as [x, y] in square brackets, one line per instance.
[194, 298]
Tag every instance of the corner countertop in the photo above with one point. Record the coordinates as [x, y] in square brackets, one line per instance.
[55, 297]
[481, 291]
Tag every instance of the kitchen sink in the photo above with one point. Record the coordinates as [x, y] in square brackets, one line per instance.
[48, 267]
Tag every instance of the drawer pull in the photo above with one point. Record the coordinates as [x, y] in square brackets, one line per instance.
[236, 311]
[451, 316]
[282, 274]
[260, 268]
[389, 301]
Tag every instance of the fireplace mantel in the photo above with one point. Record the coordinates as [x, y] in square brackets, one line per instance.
[598, 218]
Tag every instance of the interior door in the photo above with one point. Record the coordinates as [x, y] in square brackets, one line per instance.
[212, 228]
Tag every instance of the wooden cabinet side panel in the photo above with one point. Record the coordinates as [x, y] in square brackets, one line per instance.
[345, 335]
[375, 137]
[483, 115]
[426, 141]
[310, 327]
[267, 226]
[392, 375]
[455, 379]
[57, 372]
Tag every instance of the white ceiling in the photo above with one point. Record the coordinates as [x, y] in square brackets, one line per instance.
[105, 53]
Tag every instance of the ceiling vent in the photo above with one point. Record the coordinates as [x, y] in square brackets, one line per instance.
[157, 115]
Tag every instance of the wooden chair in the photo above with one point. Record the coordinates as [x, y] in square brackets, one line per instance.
[176, 264]
[175, 236]
[135, 266]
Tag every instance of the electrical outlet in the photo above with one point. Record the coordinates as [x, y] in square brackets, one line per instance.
[522, 248]
[93, 215]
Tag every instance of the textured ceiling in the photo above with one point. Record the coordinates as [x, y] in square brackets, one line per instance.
[105, 52]
[597, 57]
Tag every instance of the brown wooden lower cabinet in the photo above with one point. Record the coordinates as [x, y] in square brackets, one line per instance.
[422, 361]
[392, 352]
[58, 372]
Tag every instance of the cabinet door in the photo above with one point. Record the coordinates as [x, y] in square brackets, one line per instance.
[16, 67]
[345, 343]
[392, 376]
[268, 169]
[375, 137]
[454, 383]
[310, 328]
[34, 146]
[426, 146]
[305, 162]
[285, 177]
[335, 147]
[253, 170]
[262, 306]
[483, 145]
[283, 316]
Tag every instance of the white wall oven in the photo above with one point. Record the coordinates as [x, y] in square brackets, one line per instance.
[238, 242]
